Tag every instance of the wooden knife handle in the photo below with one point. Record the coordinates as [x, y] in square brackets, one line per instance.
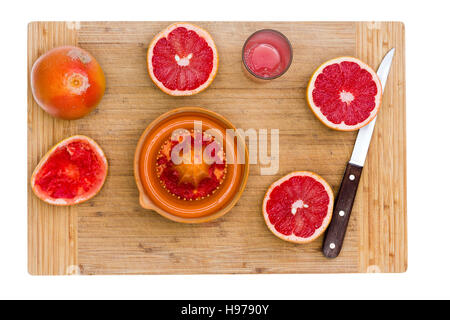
[334, 237]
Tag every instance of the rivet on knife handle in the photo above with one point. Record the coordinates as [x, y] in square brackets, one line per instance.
[334, 237]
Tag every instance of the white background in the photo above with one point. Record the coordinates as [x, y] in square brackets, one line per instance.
[428, 115]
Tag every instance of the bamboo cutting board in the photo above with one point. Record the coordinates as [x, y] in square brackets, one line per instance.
[111, 234]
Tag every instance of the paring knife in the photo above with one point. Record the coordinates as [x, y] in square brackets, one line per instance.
[334, 237]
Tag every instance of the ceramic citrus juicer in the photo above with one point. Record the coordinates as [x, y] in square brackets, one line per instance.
[190, 189]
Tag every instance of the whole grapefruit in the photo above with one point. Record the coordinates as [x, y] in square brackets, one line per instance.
[67, 82]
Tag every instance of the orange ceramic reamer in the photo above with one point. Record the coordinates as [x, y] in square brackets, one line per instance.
[154, 195]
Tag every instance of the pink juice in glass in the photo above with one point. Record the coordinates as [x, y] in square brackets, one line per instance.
[267, 54]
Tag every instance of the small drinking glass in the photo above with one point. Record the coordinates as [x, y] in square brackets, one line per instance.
[266, 55]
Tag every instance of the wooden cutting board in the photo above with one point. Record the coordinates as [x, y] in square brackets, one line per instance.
[111, 234]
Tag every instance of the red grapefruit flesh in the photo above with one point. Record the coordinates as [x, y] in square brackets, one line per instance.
[182, 59]
[192, 180]
[298, 207]
[344, 93]
[72, 172]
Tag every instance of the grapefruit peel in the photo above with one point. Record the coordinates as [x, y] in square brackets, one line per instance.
[80, 199]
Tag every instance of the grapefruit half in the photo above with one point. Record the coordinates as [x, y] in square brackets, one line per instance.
[298, 207]
[344, 93]
[182, 60]
[73, 171]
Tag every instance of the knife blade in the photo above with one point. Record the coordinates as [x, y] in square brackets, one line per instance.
[335, 235]
[365, 133]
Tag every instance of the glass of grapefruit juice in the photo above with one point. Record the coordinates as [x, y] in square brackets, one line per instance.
[266, 55]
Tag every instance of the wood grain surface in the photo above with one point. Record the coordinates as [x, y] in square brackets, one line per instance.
[111, 234]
